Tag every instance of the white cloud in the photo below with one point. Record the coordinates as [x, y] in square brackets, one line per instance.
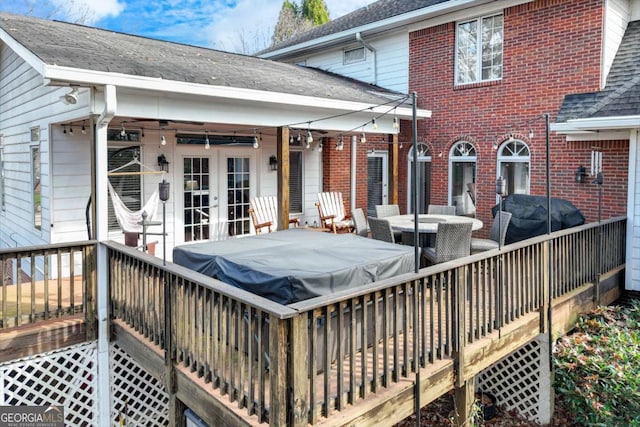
[252, 22]
[92, 10]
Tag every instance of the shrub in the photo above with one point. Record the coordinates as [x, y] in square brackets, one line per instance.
[596, 367]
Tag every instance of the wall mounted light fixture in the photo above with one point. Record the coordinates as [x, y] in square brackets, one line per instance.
[273, 163]
[71, 97]
[163, 164]
[580, 174]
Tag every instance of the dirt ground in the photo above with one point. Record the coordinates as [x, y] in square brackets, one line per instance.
[441, 411]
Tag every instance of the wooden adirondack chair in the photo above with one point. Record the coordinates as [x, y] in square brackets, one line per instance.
[332, 212]
[264, 214]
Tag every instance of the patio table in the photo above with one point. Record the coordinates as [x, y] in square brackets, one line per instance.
[427, 225]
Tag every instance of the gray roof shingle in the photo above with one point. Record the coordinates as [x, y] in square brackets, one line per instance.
[621, 94]
[378, 11]
[82, 47]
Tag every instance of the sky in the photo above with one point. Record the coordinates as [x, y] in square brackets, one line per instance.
[231, 25]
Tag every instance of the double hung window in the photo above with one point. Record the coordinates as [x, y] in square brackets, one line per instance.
[479, 50]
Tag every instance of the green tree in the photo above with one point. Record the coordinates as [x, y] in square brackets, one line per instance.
[315, 11]
[295, 19]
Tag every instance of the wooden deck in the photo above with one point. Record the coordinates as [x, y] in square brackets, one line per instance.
[351, 358]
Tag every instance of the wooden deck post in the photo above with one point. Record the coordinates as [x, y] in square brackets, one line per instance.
[464, 401]
[394, 154]
[282, 150]
[299, 367]
[90, 274]
[278, 372]
[465, 387]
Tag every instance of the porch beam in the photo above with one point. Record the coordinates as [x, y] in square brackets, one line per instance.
[393, 169]
[282, 151]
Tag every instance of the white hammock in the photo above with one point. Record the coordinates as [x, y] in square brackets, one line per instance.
[128, 219]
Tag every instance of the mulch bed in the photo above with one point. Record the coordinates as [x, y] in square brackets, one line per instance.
[441, 413]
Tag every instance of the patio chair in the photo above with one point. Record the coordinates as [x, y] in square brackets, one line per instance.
[497, 235]
[383, 211]
[441, 210]
[332, 213]
[360, 222]
[453, 240]
[381, 229]
[264, 214]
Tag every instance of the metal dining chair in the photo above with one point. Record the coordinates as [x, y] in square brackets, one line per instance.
[381, 229]
[497, 235]
[453, 240]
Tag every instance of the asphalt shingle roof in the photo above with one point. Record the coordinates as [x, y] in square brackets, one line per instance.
[621, 94]
[82, 47]
[378, 11]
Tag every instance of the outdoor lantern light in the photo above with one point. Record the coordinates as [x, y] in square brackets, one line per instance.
[273, 163]
[501, 186]
[580, 174]
[163, 164]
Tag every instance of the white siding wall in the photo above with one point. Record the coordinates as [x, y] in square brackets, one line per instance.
[392, 61]
[617, 16]
[26, 103]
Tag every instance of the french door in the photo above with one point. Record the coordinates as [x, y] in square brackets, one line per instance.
[377, 181]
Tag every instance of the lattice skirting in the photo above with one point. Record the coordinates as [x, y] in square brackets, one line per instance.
[515, 381]
[137, 398]
[64, 377]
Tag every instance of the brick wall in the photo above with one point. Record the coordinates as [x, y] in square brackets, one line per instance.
[551, 48]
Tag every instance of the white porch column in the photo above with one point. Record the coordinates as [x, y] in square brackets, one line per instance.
[101, 227]
[632, 281]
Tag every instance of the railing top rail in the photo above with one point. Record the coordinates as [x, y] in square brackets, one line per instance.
[321, 301]
[48, 247]
[266, 305]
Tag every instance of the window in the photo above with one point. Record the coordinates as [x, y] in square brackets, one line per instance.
[513, 166]
[423, 179]
[354, 55]
[126, 186]
[37, 193]
[462, 177]
[479, 50]
[295, 181]
[2, 187]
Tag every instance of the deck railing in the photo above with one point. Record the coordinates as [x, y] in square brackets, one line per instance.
[45, 282]
[300, 363]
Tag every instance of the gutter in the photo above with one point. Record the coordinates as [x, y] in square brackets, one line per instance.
[371, 49]
[377, 26]
[599, 123]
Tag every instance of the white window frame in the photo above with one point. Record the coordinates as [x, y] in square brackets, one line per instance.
[462, 152]
[424, 155]
[517, 149]
[345, 52]
[478, 51]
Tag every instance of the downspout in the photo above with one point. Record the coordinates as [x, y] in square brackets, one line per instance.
[101, 227]
[368, 46]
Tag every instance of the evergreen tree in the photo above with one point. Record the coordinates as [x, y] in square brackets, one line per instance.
[295, 19]
[315, 11]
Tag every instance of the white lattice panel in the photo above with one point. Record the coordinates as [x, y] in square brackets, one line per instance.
[514, 381]
[65, 377]
[137, 398]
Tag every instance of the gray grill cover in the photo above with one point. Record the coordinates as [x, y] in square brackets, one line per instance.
[293, 265]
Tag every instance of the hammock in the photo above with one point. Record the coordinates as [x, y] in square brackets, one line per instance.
[128, 219]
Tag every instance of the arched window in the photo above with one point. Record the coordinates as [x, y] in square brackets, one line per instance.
[462, 177]
[513, 166]
[423, 178]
